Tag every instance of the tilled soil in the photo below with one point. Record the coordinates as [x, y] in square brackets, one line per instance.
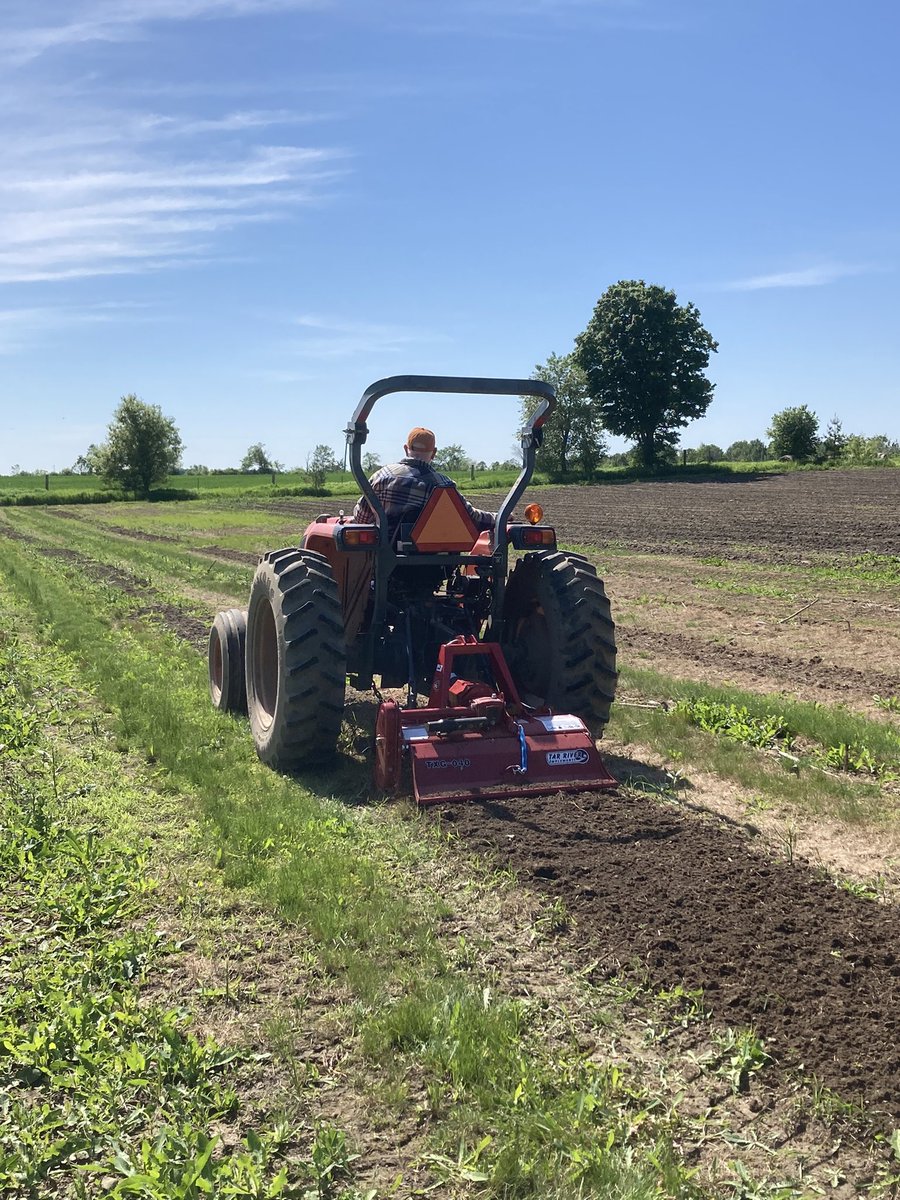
[793, 517]
[741, 662]
[679, 898]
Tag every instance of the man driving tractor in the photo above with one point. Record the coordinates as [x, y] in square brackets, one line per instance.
[404, 487]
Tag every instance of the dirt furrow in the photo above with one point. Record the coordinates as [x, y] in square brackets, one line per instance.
[735, 663]
[682, 899]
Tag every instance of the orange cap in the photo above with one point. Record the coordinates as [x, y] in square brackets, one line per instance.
[420, 439]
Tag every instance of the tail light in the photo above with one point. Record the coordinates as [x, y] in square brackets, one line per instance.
[532, 537]
[356, 537]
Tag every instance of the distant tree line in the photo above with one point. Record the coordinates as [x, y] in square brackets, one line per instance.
[794, 435]
[636, 371]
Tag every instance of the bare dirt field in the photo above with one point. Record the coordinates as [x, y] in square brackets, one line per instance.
[797, 517]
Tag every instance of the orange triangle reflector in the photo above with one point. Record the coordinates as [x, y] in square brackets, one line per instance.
[444, 524]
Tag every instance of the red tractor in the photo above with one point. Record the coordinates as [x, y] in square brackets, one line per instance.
[518, 667]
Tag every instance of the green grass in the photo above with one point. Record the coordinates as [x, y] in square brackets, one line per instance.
[853, 572]
[518, 1116]
[162, 563]
[36, 489]
[734, 719]
[744, 588]
[102, 1089]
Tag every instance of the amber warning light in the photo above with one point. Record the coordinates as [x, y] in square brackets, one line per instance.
[533, 514]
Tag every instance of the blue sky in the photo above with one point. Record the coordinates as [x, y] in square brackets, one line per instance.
[245, 211]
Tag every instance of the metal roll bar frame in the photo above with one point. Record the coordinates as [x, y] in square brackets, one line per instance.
[387, 558]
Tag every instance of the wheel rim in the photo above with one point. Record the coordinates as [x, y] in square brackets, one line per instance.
[216, 669]
[265, 666]
[534, 652]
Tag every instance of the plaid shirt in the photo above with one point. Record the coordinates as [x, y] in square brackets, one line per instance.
[403, 489]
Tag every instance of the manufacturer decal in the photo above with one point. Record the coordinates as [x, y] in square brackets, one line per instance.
[566, 758]
[439, 764]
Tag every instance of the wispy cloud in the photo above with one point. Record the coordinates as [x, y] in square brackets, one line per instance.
[33, 31]
[816, 276]
[328, 338]
[94, 184]
[107, 209]
[528, 18]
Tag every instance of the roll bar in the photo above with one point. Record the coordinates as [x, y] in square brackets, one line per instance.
[532, 436]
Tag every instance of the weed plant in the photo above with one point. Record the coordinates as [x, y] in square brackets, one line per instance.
[835, 738]
[848, 797]
[735, 721]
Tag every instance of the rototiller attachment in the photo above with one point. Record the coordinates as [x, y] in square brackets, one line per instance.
[477, 740]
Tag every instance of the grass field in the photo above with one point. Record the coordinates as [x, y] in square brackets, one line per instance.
[254, 985]
[37, 489]
[54, 488]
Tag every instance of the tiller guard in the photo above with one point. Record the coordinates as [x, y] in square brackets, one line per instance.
[477, 740]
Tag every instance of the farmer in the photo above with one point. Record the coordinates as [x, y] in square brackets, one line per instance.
[404, 487]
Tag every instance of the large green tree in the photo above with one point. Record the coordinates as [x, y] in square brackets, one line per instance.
[794, 433]
[142, 448]
[573, 437]
[644, 356]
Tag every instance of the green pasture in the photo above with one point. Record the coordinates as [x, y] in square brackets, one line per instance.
[68, 489]
[37, 489]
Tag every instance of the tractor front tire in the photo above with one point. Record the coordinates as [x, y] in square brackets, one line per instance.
[295, 659]
[227, 640]
[559, 638]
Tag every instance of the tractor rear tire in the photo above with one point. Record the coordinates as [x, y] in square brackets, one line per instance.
[227, 640]
[559, 637]
[296, 659]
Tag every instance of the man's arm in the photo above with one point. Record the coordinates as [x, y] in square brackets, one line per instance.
[363, 513]
[482, 520]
